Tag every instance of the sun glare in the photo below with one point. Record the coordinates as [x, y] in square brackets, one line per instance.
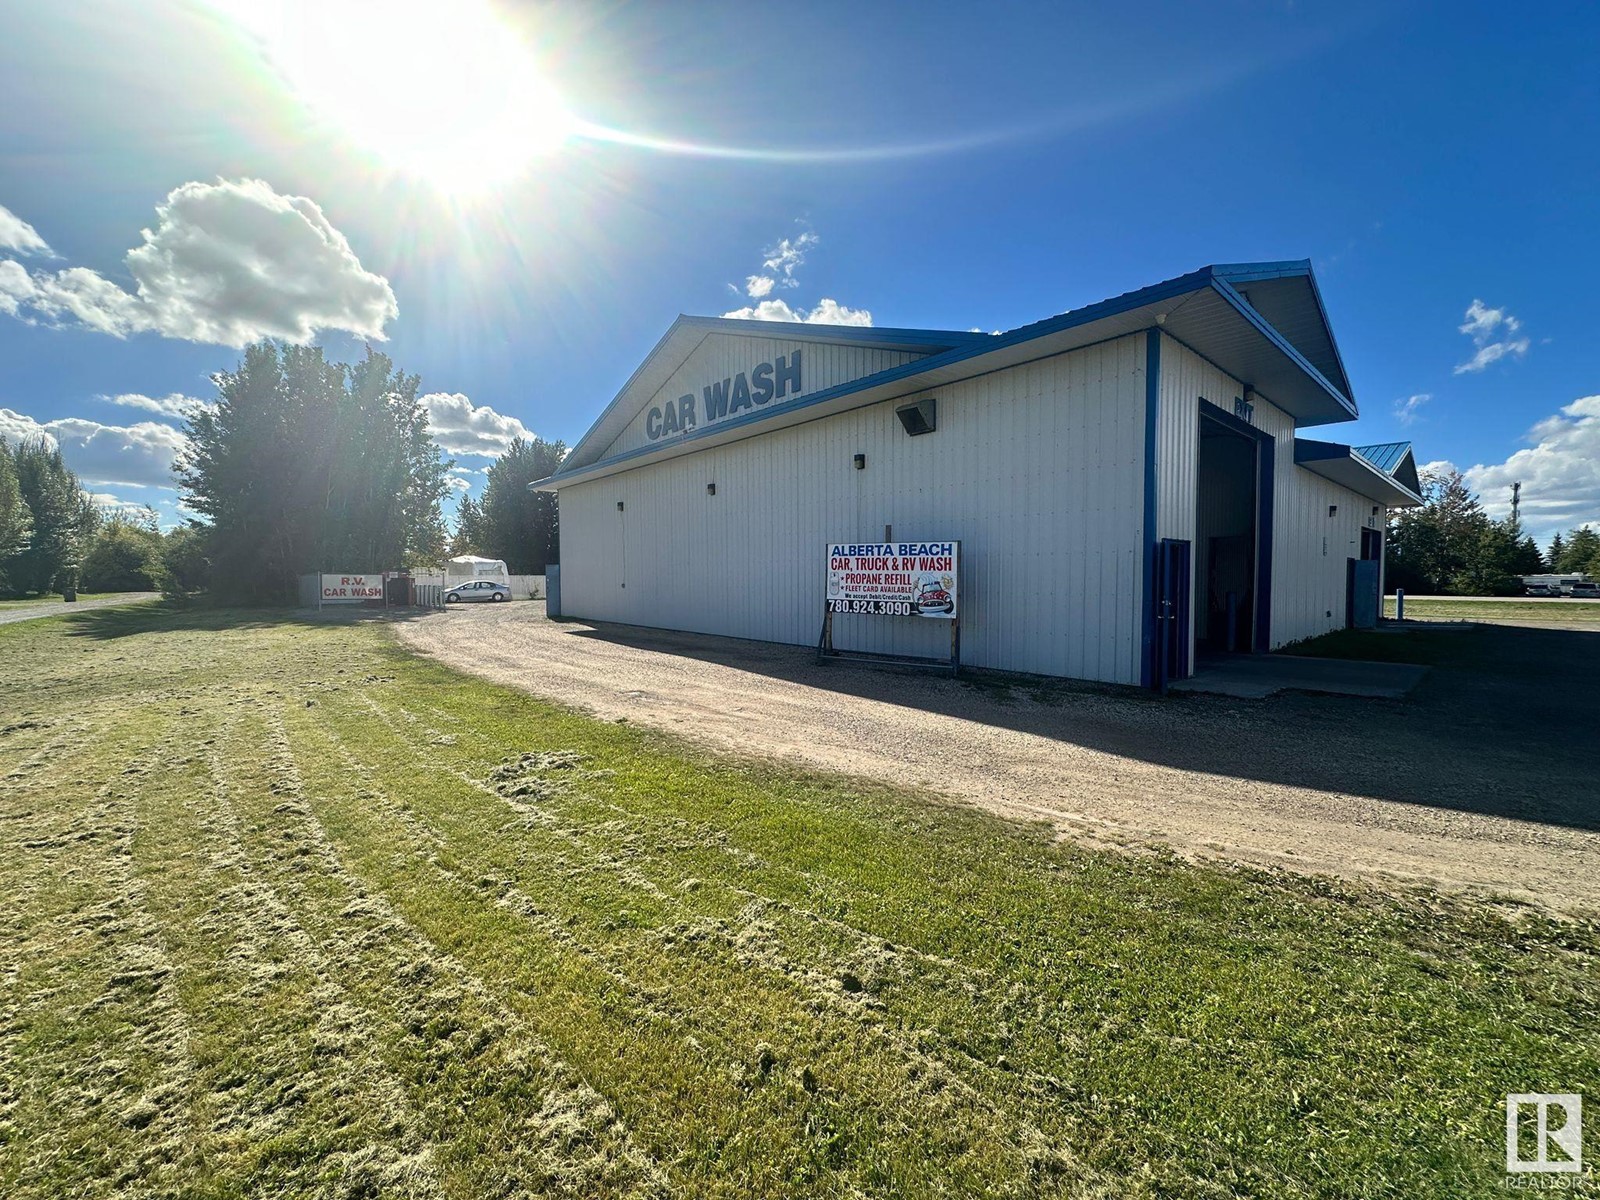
[443, 91]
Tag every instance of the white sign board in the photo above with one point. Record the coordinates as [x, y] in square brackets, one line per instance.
[894, 579]
[351, 589]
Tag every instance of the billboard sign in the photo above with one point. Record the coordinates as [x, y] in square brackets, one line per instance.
[351, 589]
[894, 579]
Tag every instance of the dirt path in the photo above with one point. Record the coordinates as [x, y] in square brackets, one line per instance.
[56, 607]
[1479, 781]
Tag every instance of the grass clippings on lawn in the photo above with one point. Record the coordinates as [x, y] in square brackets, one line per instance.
[288, 912]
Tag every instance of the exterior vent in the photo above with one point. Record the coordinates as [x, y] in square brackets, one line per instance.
[919, 418]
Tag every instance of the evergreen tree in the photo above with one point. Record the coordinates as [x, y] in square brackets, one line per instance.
[306, 466]
[1450, 545]
[1581, 554]
[16, 520]
[521, 526]
[470, 535]
[1558, 548]
[61, 515]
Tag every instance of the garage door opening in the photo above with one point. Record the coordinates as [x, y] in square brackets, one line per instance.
[1232, 534]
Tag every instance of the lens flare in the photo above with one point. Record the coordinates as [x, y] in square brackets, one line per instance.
[446, 92]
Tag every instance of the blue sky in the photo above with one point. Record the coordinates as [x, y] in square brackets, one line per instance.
[948, 167]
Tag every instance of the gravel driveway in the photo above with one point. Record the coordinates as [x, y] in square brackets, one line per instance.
[1482, 779]
[55, 606]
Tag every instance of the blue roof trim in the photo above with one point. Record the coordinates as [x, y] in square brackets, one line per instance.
[1306, 451]
[869, 335]
[1256, 272]
[971, 346]
[1226, 290]
[978, 344]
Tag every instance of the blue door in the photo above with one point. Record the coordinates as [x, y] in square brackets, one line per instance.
[1172, 611]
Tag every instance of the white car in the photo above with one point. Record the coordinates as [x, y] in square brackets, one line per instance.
[1586, 591]
[477, 589]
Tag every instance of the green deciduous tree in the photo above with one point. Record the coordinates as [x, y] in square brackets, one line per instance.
[61, 515]
[1450, 545]
[520, 526]
[305, 465]
[125, 555]
[185, 567]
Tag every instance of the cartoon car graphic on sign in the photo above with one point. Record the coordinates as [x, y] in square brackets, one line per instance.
[933, 595]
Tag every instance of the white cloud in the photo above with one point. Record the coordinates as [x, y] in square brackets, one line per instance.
[460, 484]
[462, 427]
[827, 312]
[1409, 410]
[1559, 471]
[132, 455]
[16, 287]
[1494, 332]
[228, 263]
[781, 262]
[783, 259]
[113, 504]
[16, 234]
[174, 405]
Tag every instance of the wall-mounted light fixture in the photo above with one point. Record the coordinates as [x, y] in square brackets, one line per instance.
[920, 417]
[1333, 509]
[861, 462]
[619, 505]
[1374, 510]
[711, 489]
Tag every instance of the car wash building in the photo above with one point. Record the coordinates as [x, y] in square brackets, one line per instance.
[1108, 494]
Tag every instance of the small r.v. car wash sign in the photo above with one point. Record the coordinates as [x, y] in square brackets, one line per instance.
[351, 589]
[894, 579]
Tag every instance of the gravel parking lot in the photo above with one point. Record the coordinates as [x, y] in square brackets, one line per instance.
[1481, 779]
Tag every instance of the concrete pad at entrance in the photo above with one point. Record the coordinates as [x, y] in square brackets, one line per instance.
[1257, 676]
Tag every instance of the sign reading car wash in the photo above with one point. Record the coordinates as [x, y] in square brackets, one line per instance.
[351, 589]
[894, 579]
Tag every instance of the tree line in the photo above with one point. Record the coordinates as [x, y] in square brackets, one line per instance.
[305, 466]
[54, 538]
[1451, 546]
[512, 523]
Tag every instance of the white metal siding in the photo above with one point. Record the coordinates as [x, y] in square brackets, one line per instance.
[1186, 379]
[1309, 549]
[1038, 470]
[722, 356]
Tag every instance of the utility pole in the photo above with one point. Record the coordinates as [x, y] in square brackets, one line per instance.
[1516, 506]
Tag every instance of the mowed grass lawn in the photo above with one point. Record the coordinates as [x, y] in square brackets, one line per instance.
[1468, 609]
[288, 912]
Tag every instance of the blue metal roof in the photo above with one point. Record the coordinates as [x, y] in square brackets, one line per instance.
[1204, 310]
[1385, 457]
[1349, 467]
[1396, 460]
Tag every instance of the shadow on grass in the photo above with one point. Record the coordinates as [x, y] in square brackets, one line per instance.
[165, 616]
